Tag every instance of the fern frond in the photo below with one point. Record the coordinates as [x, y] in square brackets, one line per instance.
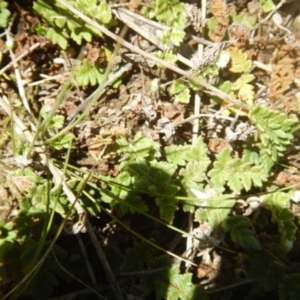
[241, 232]
[216, 211]
[279, 205]
[88, 74]
[276, 131]
[236, 173]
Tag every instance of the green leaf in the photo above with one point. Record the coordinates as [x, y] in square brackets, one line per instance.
[62, 142]
[57, 38]
[167, 207]
[78, 35]
[241, 232]
[193, 173]
[276, 131]
[140, 148]
[216, 212]
[279, 205]
[243, 18]
[198, 152]
[177, 86]
[239, 61]
[168, 56]
[118, 190]
[219, 175]
[4, 14]
[138, 257]
[103, 13]
[267, 5]
[237, 173]
[176, 154]
[178, 286]
[88, 74]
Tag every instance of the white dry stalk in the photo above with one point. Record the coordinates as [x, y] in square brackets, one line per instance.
[58, 77]
[197, 106]
[198, 116]
[20, 85]
[19, 57]
[208, 56]
[277, 19]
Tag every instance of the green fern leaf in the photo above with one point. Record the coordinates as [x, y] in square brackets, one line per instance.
[198, 152]
[276, 131]
[216, 212]
[279, 205]
[193, 173]
[62, 142]
[237, 173]
[155, 178]
[88, 74]
[78, 35]
[140, 148]
[138, 257]
[176, 154]
[167, 207]
[241, 232]
[44, 9]
[178, 286]
[219, 174]
[58, 37]
[123, 196]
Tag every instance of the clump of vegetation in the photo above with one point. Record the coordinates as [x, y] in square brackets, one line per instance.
[100, 160]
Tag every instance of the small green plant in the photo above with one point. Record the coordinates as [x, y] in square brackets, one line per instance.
[88, 74]
[267, 5]
[173, 14]
[153, 182]
[159, 275]
[4, 14]
[243, 19]
[276, 131]
[65, 26]
[56, 122]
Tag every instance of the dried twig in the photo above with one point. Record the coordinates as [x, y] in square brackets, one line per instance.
[9, 40]
[19, 57]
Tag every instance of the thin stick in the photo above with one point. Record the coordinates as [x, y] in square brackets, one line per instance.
[18, 74]
[195, 131]
[49, 78]
[86, 259]
[19, 57]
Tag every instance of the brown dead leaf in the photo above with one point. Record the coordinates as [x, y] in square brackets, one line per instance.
[219, 10]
